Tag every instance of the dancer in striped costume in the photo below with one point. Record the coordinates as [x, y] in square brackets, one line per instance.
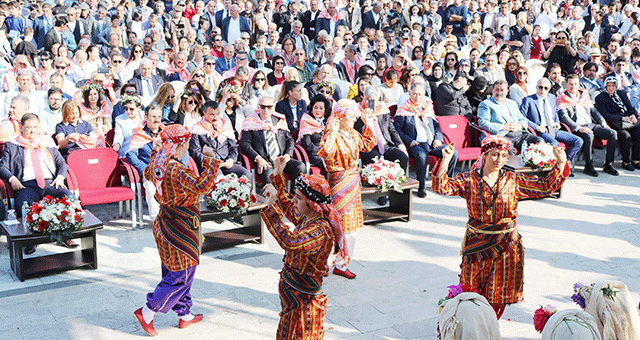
[307, 249]
[492, 252]
[177, 226]
[340, 148]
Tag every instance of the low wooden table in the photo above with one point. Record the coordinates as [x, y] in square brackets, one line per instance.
[250, 231]
[19, 236]
[399, 203]
[516, 164]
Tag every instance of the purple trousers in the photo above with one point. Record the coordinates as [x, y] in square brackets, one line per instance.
[173, 292]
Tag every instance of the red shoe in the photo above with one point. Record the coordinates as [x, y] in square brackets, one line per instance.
[184, 324]
[346, 273]
[148, 327]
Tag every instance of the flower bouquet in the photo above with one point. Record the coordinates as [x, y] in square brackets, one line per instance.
[231, 194]
[58, 217]
[541, 316]
[539, 156]
[384, 174]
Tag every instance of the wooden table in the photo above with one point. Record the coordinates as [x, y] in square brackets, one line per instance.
[250, 231]
[19, 236]
[399, 203]
[516, 164]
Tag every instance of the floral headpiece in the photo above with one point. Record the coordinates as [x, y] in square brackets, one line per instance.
[454, 290]
[92, 86]
[190, 92]
[328, 84]
[495, 142]
[130, 99]
[542, 315]
[233, 87]
[578, 287]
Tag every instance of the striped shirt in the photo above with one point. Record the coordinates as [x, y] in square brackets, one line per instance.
[347, 152]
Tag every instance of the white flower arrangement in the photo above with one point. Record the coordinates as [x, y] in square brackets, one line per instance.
[58, 217]
[384, 174]
[539, 155]
[231, 194]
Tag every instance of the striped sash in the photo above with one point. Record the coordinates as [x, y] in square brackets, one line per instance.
[302, 283]
[486, 241]
[180, 226]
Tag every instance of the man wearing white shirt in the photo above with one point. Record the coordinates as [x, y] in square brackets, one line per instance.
[234, 25]
[51, 115]
[25, 88]
[77, 70]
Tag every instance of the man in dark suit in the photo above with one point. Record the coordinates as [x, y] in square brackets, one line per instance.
[215, 132]
[353, 16]
[266, 138]
[54, 35]
[223, 13]
[421, 133]
[327, 20]
[42, 25]
[46, 169]
[451, 99]
[541, 112]
[578, 112]
[309, 20]
[146, 82]
[590, 80]
[373, 17]
[284, 20]
[233, 25]
[300, 40]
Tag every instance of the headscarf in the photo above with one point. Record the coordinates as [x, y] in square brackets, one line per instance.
[571, 324]
[617, 318]
[472, 314]
[493, 142]
[317, 192]
[171, 137]
[309, 126]
[342, 108]
[611, 79]
[220, 131]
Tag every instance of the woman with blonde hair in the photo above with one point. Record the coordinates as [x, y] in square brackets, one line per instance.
[198, 74]
[73, 133]
[165, 98]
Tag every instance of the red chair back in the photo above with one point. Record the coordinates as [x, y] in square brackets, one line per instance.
[95, 168]
[456, 129]
[109, 137]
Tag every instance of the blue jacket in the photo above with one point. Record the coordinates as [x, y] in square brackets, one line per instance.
[244, 27]
[491, 117]
[406, 127]
[221, 66]
[530, 109]
[40, 30]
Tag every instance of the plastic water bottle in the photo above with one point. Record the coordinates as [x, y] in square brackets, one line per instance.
[25, 211]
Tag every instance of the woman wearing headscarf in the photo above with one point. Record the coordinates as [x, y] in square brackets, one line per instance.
[492, 251]
[307, 248]
[177, 227]
[340, 148]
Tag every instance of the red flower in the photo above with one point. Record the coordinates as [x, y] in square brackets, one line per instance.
[253, 199]
[65, 213]
[242, 180]
[241, 202]
[540, 318]
[230, 190]
[233, 83]
[48, 197]
[223, 203]
[390, 176]
[78, 218]
[43, 225]
[29, 218]
[378, 181]
[540, 164]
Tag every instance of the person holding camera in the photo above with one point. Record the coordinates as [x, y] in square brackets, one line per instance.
[561, 52]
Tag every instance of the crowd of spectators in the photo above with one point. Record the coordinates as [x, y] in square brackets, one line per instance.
[534, 70]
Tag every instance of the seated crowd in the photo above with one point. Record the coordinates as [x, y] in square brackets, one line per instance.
[251, 79]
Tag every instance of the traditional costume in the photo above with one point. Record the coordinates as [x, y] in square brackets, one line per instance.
[307, 248]
[343, 174]
[177, 227]
[100, 119]
[492, 252]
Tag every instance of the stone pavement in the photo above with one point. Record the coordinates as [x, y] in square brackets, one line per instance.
[592, 233]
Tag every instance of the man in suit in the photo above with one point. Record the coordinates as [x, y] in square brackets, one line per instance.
[284, 20]
[590, 80]
[373, 17]
[309, 20]
[330, 19]
[228, 61]
[75, 26]
[491, 72]
[42, 25]
[223, 13]
[504, 17]
[234, 24]
[45, 172]
[265, 138]
[501, 116]
[451, 97]
[348, 67]
[420, 131]
[100, 23]
[146, 82]
[353, 16]
[300, 40]
[576, 109]
[598, 23]
[54, 35]
[541, 112]
[554, 74]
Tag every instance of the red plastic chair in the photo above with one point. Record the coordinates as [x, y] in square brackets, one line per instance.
[108, 138]
[95, 176]
[302, 156]
[457, 129]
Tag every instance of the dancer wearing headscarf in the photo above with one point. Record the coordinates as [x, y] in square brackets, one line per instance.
[177, 227]
[340, 148]
[492, 252]
[307, 248]
[571, 324]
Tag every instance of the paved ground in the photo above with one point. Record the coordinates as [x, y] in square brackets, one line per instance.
[403, 269]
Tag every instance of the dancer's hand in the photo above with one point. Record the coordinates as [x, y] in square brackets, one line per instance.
[208, 151]
[560, 155]
[447, 152]
[270, 193]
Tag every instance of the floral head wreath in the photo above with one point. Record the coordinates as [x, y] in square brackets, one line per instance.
[92, 86]
[130, 99]
[190, 92]
[327, 84]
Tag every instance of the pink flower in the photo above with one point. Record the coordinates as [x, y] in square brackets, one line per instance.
[455, 290]
[541, 316]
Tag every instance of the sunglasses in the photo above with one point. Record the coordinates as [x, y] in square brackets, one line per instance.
[543, 87]
[245, 38]
[265, 106]
[172, 96]
[260, 79]
[116, 61]
[279, 63]
[137, 51]
[241, 58]
[325, 91]
[199, 75]
[59, 67]
[299, 54]
[218, 40]
[210, 63]
[191, 102]
[522, 72]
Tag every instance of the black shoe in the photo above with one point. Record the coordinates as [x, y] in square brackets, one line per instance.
[383, 200]
[28, 250]
[422, 193]
[572, 174]
[590, 170]
[628, 167]
[68, 244]
[608, 168]
[636, 165]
